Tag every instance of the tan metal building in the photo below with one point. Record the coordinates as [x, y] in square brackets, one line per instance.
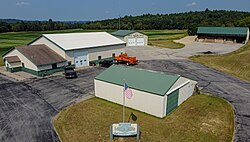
[80, 49]
[223, 34]
[35, 59]
[155, 93]
[131, 37]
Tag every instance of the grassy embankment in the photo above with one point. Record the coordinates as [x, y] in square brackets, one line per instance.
[200, 118]
[236, 63]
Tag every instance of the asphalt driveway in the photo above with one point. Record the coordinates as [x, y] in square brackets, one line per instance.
[27, 108]
[225, 86]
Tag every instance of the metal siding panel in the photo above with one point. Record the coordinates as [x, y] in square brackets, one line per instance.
[172, 101]
[140, 100]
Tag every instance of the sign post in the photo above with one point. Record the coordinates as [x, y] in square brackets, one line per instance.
[125, 129]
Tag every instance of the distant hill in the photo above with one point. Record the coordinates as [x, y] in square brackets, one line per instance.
[188, 20]
[12, 21]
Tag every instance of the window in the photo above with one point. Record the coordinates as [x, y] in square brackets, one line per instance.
[54, 66]
[99, 57]
[69, 63]
[23, 65]
[113, 55]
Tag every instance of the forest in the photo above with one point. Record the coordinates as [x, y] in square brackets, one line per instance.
[188, 20]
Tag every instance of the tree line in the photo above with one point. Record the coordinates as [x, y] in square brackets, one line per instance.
[188, 20]
[37, 26]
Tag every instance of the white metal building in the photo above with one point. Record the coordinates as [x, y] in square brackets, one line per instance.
[131, 37]
[81, 48]
[155, 93]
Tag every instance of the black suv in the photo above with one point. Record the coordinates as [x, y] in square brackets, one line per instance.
[69, 72]
[106, 63]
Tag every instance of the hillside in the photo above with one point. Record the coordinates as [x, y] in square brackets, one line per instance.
[187, 20]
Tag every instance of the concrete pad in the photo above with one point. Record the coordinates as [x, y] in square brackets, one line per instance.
[18, 76]
[192, 48]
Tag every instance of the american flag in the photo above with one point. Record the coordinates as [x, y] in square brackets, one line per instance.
[128, 92]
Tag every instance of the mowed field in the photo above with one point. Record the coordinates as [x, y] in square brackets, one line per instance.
[200, 118]
[161, 38]
[165, 38]
[236, 63]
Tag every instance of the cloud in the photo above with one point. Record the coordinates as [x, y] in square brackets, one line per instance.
[22, 3]
[191, 4]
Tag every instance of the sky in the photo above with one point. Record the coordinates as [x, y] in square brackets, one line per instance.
[90, 10]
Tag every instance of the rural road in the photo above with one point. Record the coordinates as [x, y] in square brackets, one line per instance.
[27, 108]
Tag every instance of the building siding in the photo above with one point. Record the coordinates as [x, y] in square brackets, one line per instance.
[27, 62]
[43, 40]
[135, 35]
[143, 101]
[105, 52]
[12, 65]
[186, 91]
[48, 67]
[247, 36]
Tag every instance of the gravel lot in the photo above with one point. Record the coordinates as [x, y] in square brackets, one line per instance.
[193, 48]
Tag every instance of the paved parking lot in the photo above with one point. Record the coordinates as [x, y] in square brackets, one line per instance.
[27, 108]
[225, 86]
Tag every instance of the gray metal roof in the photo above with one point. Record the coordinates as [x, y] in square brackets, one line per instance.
[123, 33]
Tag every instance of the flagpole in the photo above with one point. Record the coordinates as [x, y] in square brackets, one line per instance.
[123, 115]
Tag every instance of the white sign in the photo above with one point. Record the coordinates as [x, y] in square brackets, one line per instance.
[124, 129]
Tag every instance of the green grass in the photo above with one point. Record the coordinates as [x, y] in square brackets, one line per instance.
[164, 38]
[200, 118]
[160, 38]
[236, 63]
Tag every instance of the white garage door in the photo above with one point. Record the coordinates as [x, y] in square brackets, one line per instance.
[131, 42]
[81, 58]
[140, 41]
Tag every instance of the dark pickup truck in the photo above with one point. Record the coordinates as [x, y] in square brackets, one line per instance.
[69, 72]
[106, 63]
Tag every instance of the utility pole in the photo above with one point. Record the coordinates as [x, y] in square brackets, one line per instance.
[119, 6]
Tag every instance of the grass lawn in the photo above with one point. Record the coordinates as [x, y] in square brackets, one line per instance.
[236, 63]
[164, 38]
[200, 118]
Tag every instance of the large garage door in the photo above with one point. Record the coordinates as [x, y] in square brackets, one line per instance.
[140, 41]
[81, 58]
[172, 101]
[131, 42]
